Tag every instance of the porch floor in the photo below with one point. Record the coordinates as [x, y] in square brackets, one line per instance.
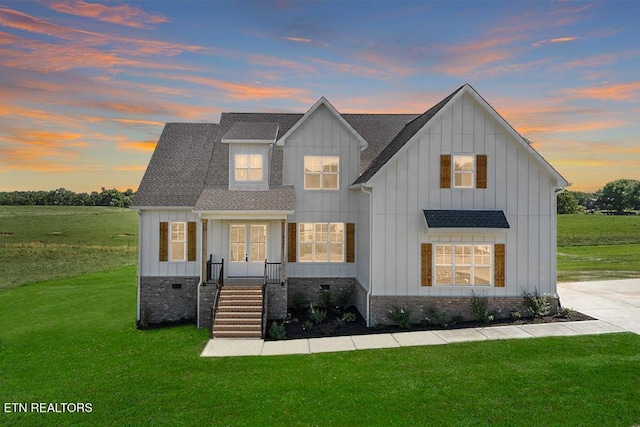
[243, 281]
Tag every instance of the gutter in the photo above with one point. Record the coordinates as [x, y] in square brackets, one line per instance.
[200, 281]
[370, 193]
[139, 266]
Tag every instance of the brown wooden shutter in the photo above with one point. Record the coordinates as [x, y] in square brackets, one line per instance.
[499, 265]
[191, 241]
[445, 171]
[351, 242]
[481, 172]
[292, 238]
[164, 242]
[426, 264]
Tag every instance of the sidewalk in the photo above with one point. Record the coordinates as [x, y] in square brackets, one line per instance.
[221, 347]
[616, 303]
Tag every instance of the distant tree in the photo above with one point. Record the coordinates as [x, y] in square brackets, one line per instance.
[620, 195]
[64, 197]
[567, 203]
[587, 200]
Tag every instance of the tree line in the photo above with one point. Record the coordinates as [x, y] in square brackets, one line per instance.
[64, 197]
[622, 195]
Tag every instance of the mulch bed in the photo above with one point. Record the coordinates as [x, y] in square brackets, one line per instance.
[333, 327]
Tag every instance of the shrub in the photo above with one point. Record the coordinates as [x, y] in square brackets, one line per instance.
[300, 301]
[326, 298]
[537, 305]
[345, 297]
[566, 312]
[436, 317]
[328, 328]
[307, 325]
[480, 308]
[277, 331]
[401, 316]
[316, 315]
[515, 314]
[349, 317]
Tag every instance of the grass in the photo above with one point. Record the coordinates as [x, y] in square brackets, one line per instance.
[598, 247]
[44, 242]
[74, 340]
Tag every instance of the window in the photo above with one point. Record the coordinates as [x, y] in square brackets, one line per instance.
[178, 241]
[463, 171]
[463, 265]
[248, 167]
[321, 242]
[321, 172]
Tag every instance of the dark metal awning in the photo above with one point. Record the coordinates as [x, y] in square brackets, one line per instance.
[465, 219]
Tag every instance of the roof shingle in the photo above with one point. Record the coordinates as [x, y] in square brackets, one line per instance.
[465, 219]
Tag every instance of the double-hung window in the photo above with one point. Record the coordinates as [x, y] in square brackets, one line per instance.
[463, 171]
[321, 242]
[178, 241]
[248, 167]
[463, 265]
[321, 172]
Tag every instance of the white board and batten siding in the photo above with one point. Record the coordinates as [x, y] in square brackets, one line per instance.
[150, 242]
[516, 183]
[322, 134]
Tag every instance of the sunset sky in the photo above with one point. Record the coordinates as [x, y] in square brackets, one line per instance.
[86, 87]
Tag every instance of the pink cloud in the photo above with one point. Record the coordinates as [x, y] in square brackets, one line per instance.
[120, 14]
[554, 41]
[628, 92]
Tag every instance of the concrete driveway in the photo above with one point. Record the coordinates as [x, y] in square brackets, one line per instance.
[613, 301]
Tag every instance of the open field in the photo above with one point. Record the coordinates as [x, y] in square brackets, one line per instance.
[44, 242]
[595, 230]
[74, 340]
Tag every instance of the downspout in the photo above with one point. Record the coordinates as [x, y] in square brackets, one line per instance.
[199, 268]
[139, 264]
[370, 193]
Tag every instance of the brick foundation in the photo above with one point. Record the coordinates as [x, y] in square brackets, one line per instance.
[168, 300]
[277, 301]
[207, 297]
[380, 306]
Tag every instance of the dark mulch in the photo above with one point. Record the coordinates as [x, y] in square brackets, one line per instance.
[333, 327]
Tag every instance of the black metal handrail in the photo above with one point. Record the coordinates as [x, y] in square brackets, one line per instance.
[215, 270]
[271, 272]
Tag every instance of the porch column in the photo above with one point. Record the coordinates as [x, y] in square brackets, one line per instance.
[282, 253]
[204, 248]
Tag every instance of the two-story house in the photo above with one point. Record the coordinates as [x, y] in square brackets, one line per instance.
[412, 210]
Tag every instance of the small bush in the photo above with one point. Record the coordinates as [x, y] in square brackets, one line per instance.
[401, 316]
[480, 308]
[458, 318]
[566, 312]
[537, 305]
[515, 314]
[326, 298]
[349, 317]
[307, 325]
[436, 317]
[300, 301]
[328, 328]
[317, 315]
[277, 331]
[344, 298]
[339, 323]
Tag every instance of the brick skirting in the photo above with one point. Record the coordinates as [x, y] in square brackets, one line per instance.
[380, 306]
[170, 299]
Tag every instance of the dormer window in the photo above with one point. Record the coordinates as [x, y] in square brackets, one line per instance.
[248, 167]
[321, 172]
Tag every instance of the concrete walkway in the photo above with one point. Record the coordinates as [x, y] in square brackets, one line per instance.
[615, 303]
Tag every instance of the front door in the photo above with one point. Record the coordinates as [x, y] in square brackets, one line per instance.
[247, 249]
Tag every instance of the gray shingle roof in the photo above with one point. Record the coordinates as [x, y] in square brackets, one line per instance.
[252, 131]
[177, 169]
[465, 219]
[221, 199]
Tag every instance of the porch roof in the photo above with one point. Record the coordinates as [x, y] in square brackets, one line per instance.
[220, 199]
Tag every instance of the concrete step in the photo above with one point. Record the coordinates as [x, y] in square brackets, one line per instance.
[237, 334]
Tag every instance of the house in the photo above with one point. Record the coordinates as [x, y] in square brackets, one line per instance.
[413, 210]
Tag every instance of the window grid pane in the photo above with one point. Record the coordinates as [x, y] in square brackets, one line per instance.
[321, 242]
[178, 241]
[321, 172]
[463, 265]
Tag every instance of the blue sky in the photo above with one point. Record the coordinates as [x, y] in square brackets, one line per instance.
[85, 87]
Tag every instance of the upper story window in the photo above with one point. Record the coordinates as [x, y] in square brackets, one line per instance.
[463, 171]
[321, 172]
[178, 241]
[248, 167]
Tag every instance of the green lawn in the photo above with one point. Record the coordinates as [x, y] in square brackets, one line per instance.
[598, 247]
[44, 242]
[74, 340]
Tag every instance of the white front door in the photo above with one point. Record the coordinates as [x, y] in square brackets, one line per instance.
[247, 249]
